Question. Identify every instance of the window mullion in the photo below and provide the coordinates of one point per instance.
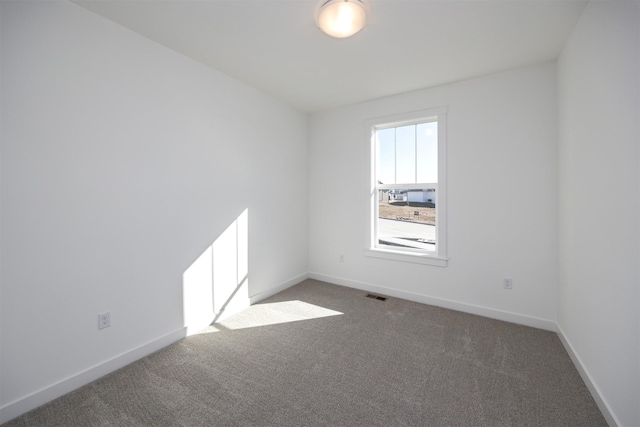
(395, 155)
(415, 152)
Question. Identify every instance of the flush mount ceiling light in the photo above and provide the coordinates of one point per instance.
(342, 18)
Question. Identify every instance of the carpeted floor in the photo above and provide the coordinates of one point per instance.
(324, 355)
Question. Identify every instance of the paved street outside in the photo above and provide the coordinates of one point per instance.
(395, 232)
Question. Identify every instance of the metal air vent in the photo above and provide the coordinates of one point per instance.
(377, 297)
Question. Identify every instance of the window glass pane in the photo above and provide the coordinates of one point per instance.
(427, 152)
(386, 155)
(406, 155)
(406, 219)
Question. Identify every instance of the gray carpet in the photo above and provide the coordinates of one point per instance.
(323, 355)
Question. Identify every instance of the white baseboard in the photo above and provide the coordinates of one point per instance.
(47, 394)
(277, 289)
(438, 302)
(586, 377)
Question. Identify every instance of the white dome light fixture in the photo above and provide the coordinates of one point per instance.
(342, 18)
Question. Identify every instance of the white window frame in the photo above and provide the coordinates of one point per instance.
(373, 248)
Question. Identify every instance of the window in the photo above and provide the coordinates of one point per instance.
(407, 207)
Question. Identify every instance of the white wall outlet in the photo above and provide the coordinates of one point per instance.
(341, 258)
(104, 320)
(507, 283)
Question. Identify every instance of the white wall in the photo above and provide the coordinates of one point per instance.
(122, 162)
(599, 115)
(502, 158)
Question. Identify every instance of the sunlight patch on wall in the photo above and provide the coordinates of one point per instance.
(197, 282)
(231, 267)
(217, 284)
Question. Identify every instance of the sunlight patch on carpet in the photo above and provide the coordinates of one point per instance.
(272, 314)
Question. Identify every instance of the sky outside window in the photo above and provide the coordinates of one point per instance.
(408, 154)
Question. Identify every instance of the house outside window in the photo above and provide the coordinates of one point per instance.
(407, 206)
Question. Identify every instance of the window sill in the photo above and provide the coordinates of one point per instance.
(416, 258)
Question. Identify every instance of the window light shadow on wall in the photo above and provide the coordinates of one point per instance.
(217, 283)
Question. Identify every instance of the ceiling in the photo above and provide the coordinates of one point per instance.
(274, 45)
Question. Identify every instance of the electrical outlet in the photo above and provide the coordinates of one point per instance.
(104, 320)
(341, 258)
(507, 283)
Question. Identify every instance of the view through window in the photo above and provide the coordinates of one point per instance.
(407, 173)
